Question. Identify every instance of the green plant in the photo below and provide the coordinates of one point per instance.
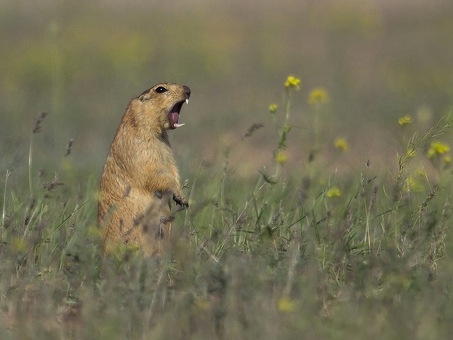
(283, 255)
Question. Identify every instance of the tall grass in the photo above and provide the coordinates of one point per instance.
(289, 254)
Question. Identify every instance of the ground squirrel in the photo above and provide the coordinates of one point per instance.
(140, 176)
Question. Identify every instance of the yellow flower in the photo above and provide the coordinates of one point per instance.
(273, 108)
(318, 96)
(341, 144)
(285, 305)
(421, 173)
(18, 244)
(281, 157)
(292, 82)
(407, 184)
(202, 304)
(437, 148)
(412, 184)
(405, 120)
(447, 160)
(333, 192)
(411, 153)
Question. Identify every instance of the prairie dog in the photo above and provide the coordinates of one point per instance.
(140, 177)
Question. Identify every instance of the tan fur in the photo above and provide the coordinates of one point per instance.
(140, 176)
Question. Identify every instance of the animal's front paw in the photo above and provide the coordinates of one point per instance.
(180, 200)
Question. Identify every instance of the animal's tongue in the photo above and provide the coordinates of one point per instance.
(174, 117)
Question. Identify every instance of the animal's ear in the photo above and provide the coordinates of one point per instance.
(144, 96)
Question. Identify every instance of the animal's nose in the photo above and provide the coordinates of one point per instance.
(187, 91)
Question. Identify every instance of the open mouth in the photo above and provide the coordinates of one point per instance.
(173, 115)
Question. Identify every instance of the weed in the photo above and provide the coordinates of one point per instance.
(311, 255)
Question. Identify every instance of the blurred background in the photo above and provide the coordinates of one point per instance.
(83, 61)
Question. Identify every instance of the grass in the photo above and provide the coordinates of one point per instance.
(289, 254)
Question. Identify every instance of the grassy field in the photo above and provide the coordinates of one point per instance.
(283, 255)
(315, 157)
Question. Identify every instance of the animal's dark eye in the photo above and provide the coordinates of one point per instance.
(161, 89)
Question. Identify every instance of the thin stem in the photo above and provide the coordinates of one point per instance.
(8, 173)
(30, 166)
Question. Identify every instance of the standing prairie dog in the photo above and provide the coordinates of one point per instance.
(140, 177)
